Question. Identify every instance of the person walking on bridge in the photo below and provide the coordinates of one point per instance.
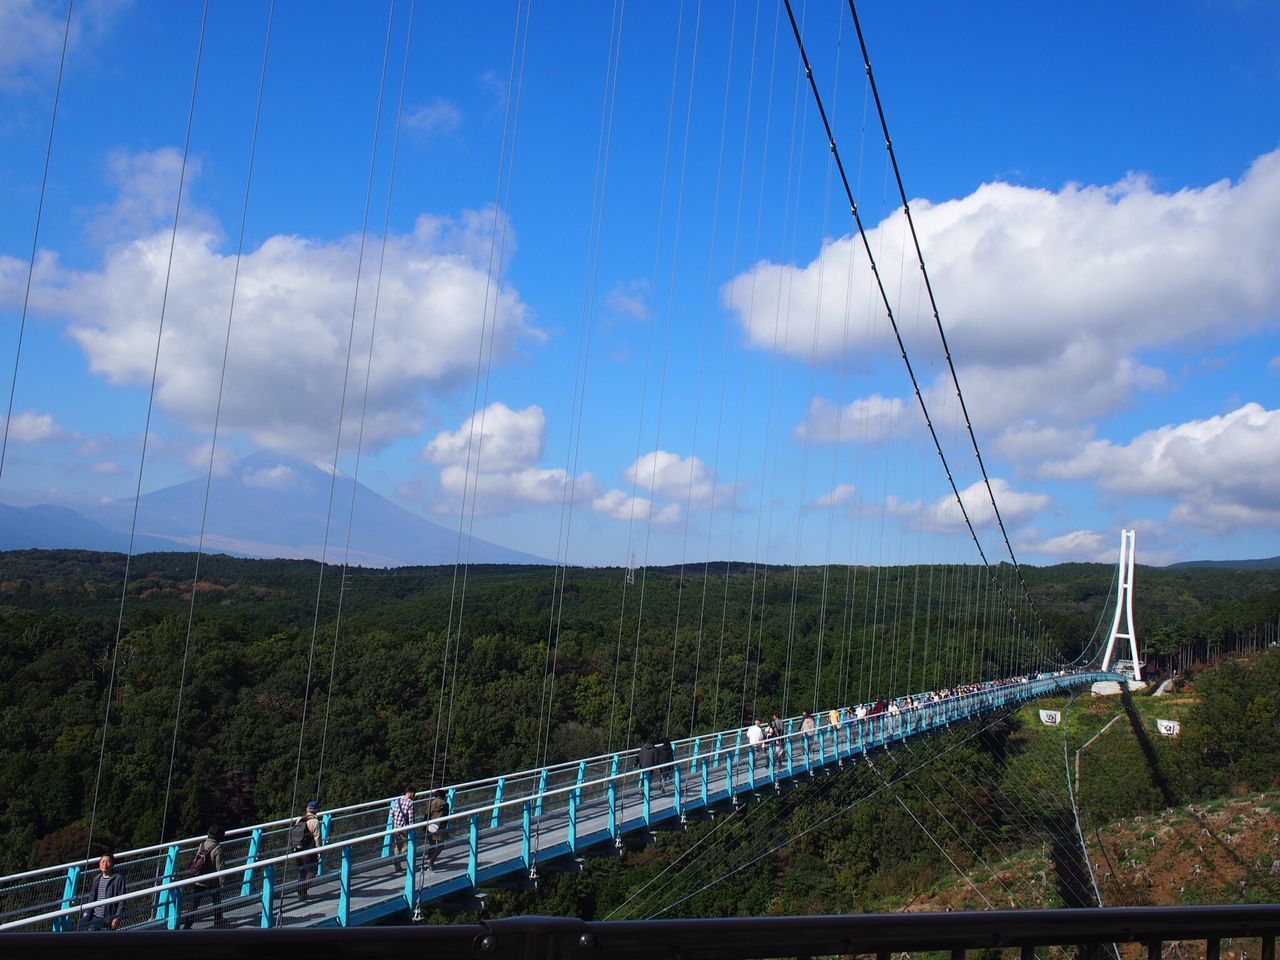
(207, 859)
(107, 884)
(402, 815)
(436, 811)
(305, 835)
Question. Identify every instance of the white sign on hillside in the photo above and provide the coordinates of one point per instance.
(1170, 728)
(1050, 718)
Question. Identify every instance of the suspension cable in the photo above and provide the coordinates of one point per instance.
(342, 403)
(217, 413)
(146, 430)
(35, 235)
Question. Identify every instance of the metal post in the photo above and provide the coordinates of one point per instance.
(542, 789)
(497, 799)
(255, 848)
(167, 902)
(344, 888)
(411, 869)
(67, 922)
(268, 891)
(573, 820)
(325, 822)
(526, 838)
(386, 841)
(473, 851)
(644, 792)
(613, 809)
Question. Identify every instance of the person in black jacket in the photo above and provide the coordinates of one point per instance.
(107, 884)
(663, 754)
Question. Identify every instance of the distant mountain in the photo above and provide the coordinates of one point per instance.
(268, 505)
(1263, 563)
(55, 528)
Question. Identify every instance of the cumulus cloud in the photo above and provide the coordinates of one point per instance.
(670, 475)
(31, 427)
(1046, 296)
(1221, 470)
(618, 505)
(495, 438)
(439, 117)
(866, 420)
(1016, 507)
(293, 315)
(493, 456)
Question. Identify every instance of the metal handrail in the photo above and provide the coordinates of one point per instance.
(1053, 681)
(743, 938)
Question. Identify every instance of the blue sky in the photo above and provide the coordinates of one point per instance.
(682, 352)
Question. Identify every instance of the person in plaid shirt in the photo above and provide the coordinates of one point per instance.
(402, 815)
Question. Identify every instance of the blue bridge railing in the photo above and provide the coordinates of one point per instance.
(499, 831)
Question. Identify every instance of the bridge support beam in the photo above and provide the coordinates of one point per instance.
(1124, 605)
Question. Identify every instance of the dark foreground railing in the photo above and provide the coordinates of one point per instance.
(557, 938)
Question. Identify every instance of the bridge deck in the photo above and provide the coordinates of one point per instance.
(501, 831)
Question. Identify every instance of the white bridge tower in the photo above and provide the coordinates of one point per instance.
(1124, 605)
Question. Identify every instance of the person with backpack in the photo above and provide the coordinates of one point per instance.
(207, 860)
(305, 835)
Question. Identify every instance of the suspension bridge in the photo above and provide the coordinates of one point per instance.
(507, 829)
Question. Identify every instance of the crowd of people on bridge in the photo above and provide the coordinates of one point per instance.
(305, 835)
(306, 832)
(772, 733)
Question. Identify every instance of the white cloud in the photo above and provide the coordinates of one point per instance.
(107, 468)
(1033, 442)
(1221, 470)
(224, 459)
(1085, 276)
(31, 427)
(502, 471)
(292, 321)
(33, 31)
(1016, 507)
(279, 477)
(439, 117)
(1274, 365)
(670, 475)
(866, 420)
(630, 299)
(1086, 546)
(496, 438)
(146, 185)
(842, 494)
(618, 505)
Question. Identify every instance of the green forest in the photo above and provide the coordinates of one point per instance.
(357, 683)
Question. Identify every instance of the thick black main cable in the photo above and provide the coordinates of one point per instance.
(933, 303)
(880, 285)
(35, 237)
